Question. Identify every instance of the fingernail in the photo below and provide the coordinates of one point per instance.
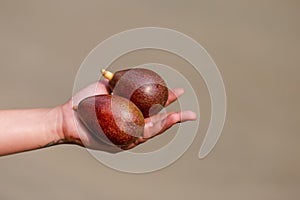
(189, 115)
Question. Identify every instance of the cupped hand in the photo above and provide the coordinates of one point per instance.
(76, 132)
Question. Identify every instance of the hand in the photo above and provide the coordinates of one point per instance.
(75, 132)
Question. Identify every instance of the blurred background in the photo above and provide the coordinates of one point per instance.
(256, 46)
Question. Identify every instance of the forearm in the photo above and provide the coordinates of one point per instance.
(23, 130)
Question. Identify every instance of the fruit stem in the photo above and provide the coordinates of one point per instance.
(75, 108)
(107, 74)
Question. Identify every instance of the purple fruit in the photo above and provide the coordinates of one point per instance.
(145, 88)
(111, 118)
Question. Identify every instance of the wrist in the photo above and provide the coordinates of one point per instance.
(53, 125)
(68, 130)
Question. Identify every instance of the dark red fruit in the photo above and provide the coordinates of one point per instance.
(111, 117)
(145, 88)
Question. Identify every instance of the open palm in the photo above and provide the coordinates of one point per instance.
(76, 132)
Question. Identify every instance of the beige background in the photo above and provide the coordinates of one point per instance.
(256, 45)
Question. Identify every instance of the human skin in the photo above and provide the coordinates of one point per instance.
(28, 129)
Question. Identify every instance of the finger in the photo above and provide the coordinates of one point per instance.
(142, 139)
(104, 81)
(148, 129)
(156, 118)
(85, 92)
(168, 121)
(174, 118)
(165, 122)
(174, 95)
(139, 140)
(99, 87)
(102, 87)
(179, 117)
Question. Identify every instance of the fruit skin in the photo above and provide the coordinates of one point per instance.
(112, 116)
(145, 88)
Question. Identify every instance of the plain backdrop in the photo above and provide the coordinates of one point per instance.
(256, 46)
